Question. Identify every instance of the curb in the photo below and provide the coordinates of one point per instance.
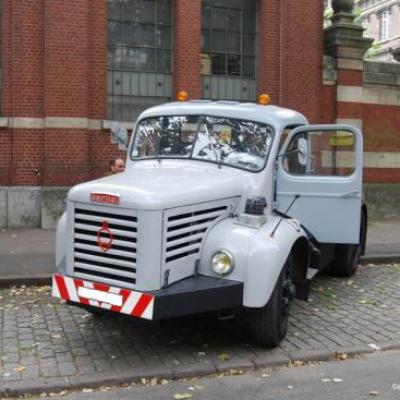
(276, 358)
(27, 280)
(380, 259)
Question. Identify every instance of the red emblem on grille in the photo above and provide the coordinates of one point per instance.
(104, 198)
(104, 242)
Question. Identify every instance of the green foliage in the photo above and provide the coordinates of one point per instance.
(373, 51)
(357, 12)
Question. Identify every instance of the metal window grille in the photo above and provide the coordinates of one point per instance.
(228, 42)
(229, 38)
(140, 47)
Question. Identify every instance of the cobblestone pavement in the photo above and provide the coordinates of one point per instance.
(43, 339)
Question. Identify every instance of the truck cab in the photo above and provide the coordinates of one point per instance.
(222, 206)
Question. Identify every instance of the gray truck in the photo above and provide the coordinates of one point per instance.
(223, 206)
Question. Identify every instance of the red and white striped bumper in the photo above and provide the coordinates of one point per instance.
(111, 298)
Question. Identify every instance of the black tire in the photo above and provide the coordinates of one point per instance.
(268, 325)
(347, 256)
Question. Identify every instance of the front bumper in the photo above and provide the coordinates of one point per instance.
(192, 295)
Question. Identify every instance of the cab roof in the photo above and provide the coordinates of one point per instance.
(276, 116)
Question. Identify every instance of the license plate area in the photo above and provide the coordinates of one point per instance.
(98, 295)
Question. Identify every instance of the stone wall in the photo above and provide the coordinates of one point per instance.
(365, 94)
(31, 206)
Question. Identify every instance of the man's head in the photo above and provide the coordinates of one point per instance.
(117, 165)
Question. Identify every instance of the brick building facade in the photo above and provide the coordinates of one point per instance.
(63, 66)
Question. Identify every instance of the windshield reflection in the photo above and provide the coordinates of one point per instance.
(225, 141)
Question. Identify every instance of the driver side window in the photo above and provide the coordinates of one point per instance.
(321, 153)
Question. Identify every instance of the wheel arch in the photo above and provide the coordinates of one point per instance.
(267, 256)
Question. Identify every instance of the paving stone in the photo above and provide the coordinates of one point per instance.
(54, 341)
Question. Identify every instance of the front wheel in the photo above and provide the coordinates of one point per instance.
(268, 325)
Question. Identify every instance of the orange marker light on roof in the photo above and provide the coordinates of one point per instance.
(264, 99)
(183, 95)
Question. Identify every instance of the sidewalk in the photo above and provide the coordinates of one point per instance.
(27, 255)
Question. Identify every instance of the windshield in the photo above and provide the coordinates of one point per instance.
(225, 141)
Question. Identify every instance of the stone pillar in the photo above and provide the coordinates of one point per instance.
(187, 47)
(344, 42)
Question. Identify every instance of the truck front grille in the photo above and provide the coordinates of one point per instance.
(185, 231)
(115, 265)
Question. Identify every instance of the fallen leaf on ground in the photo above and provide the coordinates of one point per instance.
(340, 356)
(196, 387)
(182, 396)
(224, 357)
(19, 368)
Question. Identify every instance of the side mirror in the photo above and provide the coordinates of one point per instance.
(119, 135)
(302, 151)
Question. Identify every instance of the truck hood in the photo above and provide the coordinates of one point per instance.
(154, 186)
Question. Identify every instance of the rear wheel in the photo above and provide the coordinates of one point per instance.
(268, 325)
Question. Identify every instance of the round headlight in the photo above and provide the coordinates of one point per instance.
(222, 263)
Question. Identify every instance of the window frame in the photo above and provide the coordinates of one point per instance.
(227, 55)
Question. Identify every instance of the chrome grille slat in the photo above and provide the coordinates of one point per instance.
(184, 240)
(189, 229)
(90, 267)
(94, 247)
(193, 219)
(115, 231)
(181, 250)
(186, 229)
(89, 238)
(101, 219)
(85, 256)
(116, 265)
(125, 282)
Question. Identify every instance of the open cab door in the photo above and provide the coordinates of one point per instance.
(322, 164)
